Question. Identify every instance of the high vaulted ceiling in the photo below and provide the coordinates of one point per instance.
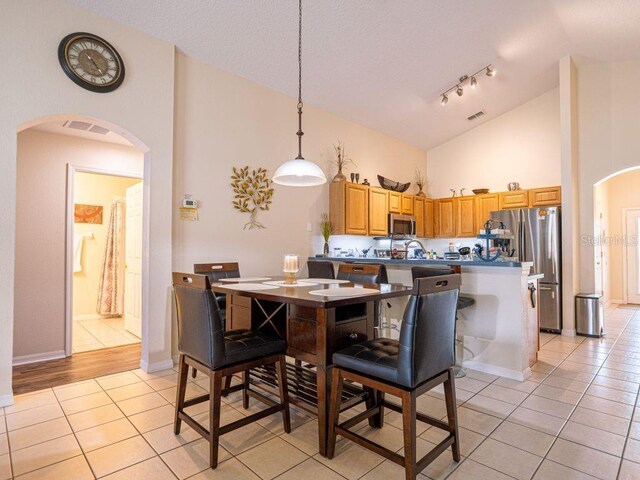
(384, 63)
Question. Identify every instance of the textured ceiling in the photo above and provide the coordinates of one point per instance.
(383, 63)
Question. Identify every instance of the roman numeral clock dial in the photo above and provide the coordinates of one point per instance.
(91, 62)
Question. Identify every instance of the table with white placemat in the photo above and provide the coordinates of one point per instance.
(316, 317)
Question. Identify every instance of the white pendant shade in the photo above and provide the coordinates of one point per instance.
(299, 173)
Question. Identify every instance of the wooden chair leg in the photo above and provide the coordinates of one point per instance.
(334, 410)
(381, 405)
(245, 389)
(284, 392)
(215, 391)
(452, 412)
(409, 432)
(371, 402)
(227, 384)
(183, 372)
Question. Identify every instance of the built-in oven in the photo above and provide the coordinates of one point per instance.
(402, 225)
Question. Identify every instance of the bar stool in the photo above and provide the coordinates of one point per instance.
(204, 344)
(216, 271)
(374, 273)
(320, 269)
(464, 301)
(422, 359)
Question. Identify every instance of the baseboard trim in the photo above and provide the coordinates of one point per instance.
(569, 332)
(617, 301)
(156, 366)
(495, 370)
(6, 400)
(94, 316)
(38, 357)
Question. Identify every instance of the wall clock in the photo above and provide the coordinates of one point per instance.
(91, 62)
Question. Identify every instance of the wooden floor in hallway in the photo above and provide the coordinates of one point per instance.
(78, 367)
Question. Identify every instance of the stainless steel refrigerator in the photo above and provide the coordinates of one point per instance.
(538, 239)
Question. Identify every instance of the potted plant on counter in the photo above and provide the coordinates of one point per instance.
(326, 229)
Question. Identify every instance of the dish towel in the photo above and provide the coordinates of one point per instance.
(78, 241)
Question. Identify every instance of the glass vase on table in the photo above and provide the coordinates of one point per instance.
(290, 269)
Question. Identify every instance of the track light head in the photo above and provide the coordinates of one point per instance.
(474, 82)
(491, 72)
(445, 99)
(459, 91)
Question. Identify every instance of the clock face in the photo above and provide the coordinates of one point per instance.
(91, 62)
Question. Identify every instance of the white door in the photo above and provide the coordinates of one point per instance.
(133, 261)
(633, 255)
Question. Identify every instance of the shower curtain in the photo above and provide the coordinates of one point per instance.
(108, 294)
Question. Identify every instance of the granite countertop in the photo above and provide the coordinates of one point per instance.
(393, 261)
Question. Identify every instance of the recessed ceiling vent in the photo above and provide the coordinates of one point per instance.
(87, 127)
(476, 115)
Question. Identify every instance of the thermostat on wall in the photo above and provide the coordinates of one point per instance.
(188, 203)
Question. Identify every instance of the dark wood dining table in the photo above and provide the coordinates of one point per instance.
(314, 326)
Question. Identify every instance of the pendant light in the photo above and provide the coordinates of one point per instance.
(299, 172)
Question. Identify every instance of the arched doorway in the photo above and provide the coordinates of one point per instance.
(616, 223)
(56, 267)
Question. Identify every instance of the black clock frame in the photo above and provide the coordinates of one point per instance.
(62, 58)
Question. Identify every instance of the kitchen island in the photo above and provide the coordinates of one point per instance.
(500, 331)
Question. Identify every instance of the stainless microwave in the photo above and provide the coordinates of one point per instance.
(402, 225)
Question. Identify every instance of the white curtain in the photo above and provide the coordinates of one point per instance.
(108, 294)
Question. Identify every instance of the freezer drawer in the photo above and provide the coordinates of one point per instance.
(549, 308)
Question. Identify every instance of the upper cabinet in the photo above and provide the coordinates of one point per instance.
(378, 208)
(395, 202)
(485, 204)
(418, 211)
(428, 218)
(444, 217)
(514, 199)
(543, 197)
(466, 217)
(349, 208)
(407, 204)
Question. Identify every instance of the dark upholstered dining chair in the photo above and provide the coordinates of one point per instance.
(420, 360)
(204, 344)
(320, 269)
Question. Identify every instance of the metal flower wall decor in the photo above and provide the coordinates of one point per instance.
(253, 193)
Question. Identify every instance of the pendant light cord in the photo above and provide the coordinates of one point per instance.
(300, 132)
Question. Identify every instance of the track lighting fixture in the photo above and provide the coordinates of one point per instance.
(472, 79)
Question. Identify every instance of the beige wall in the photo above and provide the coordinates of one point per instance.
(103, 190)
(609, 141)
(223, 121)
(35, 87)
(618, 193)
(40, 230)
(522, 145)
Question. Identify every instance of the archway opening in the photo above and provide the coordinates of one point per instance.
(52, 152)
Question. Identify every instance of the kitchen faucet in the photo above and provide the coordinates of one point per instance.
(406, 247)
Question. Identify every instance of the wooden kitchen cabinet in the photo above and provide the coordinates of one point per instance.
(514, 199)
(418, 212)
(465, 215)
(349, 208)
(485, 204)
(445, 215)
(378, 211)
(428, 218)
(544, 197)
(395, 202)
(407, 204)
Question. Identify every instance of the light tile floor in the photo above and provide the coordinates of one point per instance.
(97, 333)
(575, 418)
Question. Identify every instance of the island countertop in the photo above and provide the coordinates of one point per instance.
(395, 261)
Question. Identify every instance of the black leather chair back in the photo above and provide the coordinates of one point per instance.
(363, 273)
(320, 269)
(428, 329)
(422, 272)
(216, 271)
(200, 327)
